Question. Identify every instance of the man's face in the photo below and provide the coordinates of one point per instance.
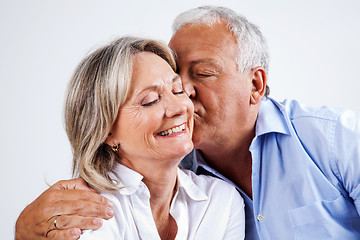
(220, 93)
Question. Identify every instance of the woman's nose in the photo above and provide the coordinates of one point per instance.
(175, 107)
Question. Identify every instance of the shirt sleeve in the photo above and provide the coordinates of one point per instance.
(235, 228)
(347, 154)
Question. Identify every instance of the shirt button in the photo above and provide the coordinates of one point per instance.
(260, 217)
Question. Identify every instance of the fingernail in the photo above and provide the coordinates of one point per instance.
(97, 221)
(109, 212)
(76, 232)
(109, 204)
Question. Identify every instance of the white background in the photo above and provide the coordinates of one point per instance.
(314, 58)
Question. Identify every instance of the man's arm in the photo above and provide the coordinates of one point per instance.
(72, 203)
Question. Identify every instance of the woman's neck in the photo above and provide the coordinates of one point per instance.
(158, 175)
(161, 180)
(162, 186)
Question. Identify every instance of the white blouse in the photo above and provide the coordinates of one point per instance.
(203, 208)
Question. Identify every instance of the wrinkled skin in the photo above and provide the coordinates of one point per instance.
(72, 199)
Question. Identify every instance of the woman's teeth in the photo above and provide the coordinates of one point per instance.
(173, 130)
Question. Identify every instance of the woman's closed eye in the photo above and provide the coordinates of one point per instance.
(178, 92)
(177, 88)
(150, 99)
(147, 104)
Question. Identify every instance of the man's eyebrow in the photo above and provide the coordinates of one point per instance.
(206, 61)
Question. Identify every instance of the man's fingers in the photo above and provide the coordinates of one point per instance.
(83, 208)
(53, 195)
(65, 222)
(69, 234)
(36, 221)
(77, 183)
(65, 226)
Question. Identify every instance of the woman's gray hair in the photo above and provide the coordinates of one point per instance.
(96, 91)
(253, 51)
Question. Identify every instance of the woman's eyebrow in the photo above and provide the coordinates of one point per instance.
(176, 78)
(154, 87)
(157, 87)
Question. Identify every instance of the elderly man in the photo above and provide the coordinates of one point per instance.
(295, 166)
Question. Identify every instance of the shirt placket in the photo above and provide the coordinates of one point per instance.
(142, 214)
(258, 210)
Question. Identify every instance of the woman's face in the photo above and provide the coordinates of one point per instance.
(156, 121)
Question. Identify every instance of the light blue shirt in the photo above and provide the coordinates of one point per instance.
(305, 173)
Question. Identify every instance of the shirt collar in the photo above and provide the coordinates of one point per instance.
(131, 181)
(187, 184)
(271, 118)
(128, 180)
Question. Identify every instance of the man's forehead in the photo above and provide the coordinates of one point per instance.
(203, 53)
(201, 37)
(203, 28)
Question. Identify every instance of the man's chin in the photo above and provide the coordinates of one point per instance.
(199, 133)
(196, 138)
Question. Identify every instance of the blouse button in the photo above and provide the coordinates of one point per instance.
(260, 217)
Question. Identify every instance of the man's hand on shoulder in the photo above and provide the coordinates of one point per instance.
(70, 205)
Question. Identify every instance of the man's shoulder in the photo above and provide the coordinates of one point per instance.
(296, 110)
(283, 116)
(316, 119)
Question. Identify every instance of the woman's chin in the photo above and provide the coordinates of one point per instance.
(180, 151)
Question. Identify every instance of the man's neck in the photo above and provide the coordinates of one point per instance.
(235, 164)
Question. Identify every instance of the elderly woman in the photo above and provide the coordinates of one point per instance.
(130, 123)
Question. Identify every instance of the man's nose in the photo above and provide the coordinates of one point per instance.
(189, 87)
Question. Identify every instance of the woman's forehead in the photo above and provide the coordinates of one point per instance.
(151, 71)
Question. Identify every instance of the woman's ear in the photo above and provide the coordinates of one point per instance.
(109, 140)
(112, 142)
(258, 85)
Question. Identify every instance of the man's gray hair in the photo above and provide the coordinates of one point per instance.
(253, 51)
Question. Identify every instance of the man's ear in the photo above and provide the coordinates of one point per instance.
(258, 75)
